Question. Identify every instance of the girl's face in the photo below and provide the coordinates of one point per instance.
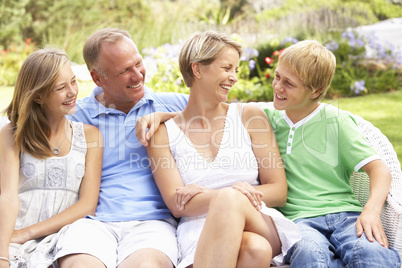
(61, 100)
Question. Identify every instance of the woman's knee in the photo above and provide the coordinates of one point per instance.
(227, 199)
(255, 251)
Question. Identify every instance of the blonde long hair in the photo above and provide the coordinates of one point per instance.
(35, 80)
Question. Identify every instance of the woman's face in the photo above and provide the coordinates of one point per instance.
(219, 77)
(61, 100)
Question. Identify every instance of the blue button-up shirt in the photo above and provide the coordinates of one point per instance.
(128, 191)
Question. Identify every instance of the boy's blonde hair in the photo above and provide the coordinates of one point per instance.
(204, 48)
(312, 62)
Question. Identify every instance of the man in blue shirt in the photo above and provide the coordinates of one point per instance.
(132, 225)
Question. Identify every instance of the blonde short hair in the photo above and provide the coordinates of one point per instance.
(92, 47)
(36, 79)
(204, 48)
(312, 62)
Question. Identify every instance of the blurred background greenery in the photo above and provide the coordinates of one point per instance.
(263, 26)
(364, 64)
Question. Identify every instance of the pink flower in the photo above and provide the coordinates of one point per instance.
(269, 60)
(276, 53)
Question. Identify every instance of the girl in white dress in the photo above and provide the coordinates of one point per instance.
(218, 167)
(50, 167)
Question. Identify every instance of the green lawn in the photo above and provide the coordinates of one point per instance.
(382, 110)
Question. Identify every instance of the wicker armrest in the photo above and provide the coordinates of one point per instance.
(391, 215)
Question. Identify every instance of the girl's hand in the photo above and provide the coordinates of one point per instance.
(184, 194)
(253, 195)
(4, 264)
(20, 236)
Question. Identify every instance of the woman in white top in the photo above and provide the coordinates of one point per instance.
(50, 167)
(219, 165)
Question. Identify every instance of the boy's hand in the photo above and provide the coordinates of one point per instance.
(370, 223)
(252, 194)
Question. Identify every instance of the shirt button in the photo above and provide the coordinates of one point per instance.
(289, 144)
(293, 128)
(290, 136)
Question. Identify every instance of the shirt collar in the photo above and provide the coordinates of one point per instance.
(101, 109)
(305, 119)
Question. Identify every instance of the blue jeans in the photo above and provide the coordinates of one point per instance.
(331, 241)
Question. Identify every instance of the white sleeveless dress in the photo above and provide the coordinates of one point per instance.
(46, 188)
(234, 162)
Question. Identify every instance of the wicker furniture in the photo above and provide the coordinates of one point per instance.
(391, 215)
(392, 211)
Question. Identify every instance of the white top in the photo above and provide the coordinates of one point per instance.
(46, 188)
(234, 162)
(49, 186)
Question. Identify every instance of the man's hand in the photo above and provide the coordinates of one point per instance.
(150, 122)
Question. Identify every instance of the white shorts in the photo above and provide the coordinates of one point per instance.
(112, 242)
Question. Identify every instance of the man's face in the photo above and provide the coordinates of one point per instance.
(122, 65)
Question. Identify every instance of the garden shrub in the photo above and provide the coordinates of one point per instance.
(364, 65)
(11, 61)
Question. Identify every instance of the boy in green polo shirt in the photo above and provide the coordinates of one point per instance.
(321, 146)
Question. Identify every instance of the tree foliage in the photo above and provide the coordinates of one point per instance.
(13, 18)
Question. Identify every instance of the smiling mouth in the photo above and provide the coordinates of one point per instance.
(69, 102)
(226, 87)
(135, 86)
(280, 98)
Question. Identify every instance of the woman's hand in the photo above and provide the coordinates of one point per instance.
(253, 195)
(184, 194)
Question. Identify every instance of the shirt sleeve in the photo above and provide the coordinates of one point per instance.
(170, 102)
(354, 148)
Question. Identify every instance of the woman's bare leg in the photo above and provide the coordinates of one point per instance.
(255, 251)
(229, 215)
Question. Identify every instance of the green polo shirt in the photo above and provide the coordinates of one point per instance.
(320, 152)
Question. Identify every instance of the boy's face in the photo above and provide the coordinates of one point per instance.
(290, 94)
